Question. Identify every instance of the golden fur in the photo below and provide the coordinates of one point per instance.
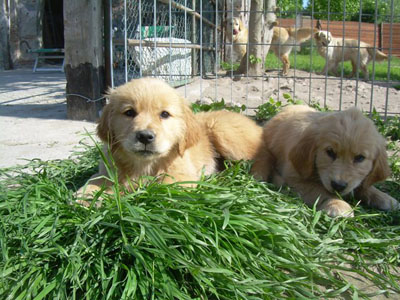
(151, 130)
(237, 34)
(283, 40)
(322, 154)
(330, 48)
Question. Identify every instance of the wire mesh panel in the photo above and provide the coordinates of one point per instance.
(190, 44)
(167, 39)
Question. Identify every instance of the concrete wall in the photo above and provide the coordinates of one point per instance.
(24, 19)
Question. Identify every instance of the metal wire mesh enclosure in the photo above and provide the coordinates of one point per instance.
(193, 44)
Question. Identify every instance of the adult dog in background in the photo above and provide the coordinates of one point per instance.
(236, 34)
(283, 41)
(150, 130)
(336, 50)
(322, 155)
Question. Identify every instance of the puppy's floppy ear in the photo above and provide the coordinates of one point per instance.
(103, 127)
(316, 35)
(192, 130)
(302, 155)
(380, 169)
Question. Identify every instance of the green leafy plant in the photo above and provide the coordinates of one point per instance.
(267, 110)
(226, 66)
(254, 60)
(198, 107)
(389, 128)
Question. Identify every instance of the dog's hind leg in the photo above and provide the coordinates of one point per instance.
(354, 69)
(286, 64)
(364, 69)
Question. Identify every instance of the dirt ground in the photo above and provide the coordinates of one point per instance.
(331, 91)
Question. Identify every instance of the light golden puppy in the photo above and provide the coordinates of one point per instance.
(322, 155)
(237, 34)
(150, 130)
(283, 40)
(336, 50)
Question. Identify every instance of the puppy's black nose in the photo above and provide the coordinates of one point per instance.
(338, 186)
(145, 136)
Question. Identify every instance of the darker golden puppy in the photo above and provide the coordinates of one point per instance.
(150, 130)
(323, 155)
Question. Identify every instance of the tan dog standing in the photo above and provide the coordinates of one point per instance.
(336, 50)
(284, 39)
(323, 155)
(150, 130)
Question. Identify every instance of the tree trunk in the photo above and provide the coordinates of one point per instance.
(84, 61)
(262, 20)
(5, 57)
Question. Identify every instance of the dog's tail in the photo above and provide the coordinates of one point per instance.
(301, 34)
(379, 55)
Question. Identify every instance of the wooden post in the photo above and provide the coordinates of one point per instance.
(253, 62)
(84, 61)
(194, 41)
(108, 43)
(5, 57)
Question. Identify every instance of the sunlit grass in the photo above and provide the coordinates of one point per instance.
(231, 237)
(315, 63)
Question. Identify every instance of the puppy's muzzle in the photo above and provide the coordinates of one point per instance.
(338, 186)
(146, 136)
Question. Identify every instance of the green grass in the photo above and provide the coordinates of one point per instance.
(302, 61)
(232, 237)
(315, 63)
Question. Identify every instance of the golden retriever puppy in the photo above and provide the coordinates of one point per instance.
(336, 50)
(283, 40)
(324, 155)
(237, 34)
(150, 130)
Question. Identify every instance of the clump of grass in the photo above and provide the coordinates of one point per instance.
(231, 237)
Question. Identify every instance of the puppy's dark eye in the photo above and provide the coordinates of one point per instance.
(331, 153)
(130, 113)
(359, 158)
(165, 115)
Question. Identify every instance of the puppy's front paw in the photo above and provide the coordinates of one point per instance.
(384, 202)
(85, 193)
(337, 208)
(378, 199)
